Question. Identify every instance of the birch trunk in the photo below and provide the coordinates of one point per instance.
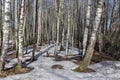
(12, 24)
(39, 25)
(68, 29)
(16, 26)
(90, 49)
(100, 37)
(58, 12)
(20, 51)
(2, 7)
(58, 22)
(75, 21)
(0, 25)
(53, 23)
(24, 24)
(85, 36)
(6, 26)
(119, 8)
(63, 36)
(34, 30)
(46, 28)
(62, 24)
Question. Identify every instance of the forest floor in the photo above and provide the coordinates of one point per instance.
(48, 68)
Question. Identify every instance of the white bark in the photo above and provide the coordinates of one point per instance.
(34, 30)
(3, 11)
(53, 21)
(20, 51)
(62, 22)
(6, 26)
(90, 49)
(75, 21)
(39, 25)
(68, 29)
(85, 36)
(16, 25)
(0, 25)
(58, 22)
(12, 27)
(63, 33)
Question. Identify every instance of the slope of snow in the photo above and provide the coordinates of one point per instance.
(106, 70)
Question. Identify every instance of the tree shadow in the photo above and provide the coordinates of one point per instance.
(38, 55)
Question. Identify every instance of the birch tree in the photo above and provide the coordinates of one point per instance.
(34, 29)
(39, 24)
(6, 26)
(16, 26)
(68, 29)
(119, 8)
(91, 45)
(53, 21)
(0, 25)
(62, 24)
(58, 14)
(20, 50)
(85, 36)
(75, 21)
(47, 27)
(2, 20)
(12, 29)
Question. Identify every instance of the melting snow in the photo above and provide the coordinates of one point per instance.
(106, 70)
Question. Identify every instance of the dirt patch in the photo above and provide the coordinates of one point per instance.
(63, 58)
(62, 48)
(58, 58)
(88, 70)
(57, 66)
(12, 56)
(13, 71)
(98, 57)
(77, 62)
(47, 55)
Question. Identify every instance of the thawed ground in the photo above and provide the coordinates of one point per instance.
(106, 70)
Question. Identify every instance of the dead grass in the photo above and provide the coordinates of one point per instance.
(77, 62)
(98, 57)
(14, 71)
(12, 56)
(57, 66)
(87, 70)
(63, 58)
(62, 48)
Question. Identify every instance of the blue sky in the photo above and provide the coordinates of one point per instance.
(110, 12)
